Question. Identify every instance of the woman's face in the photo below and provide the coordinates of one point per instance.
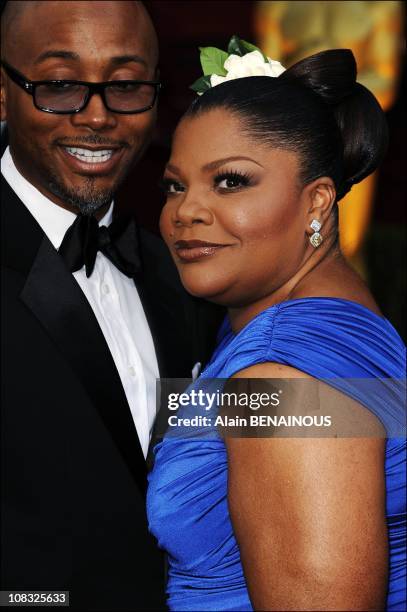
(234, 219)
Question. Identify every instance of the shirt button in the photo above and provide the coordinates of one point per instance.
(106, 289)
(132, 371)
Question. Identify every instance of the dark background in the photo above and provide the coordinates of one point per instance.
(182, 27)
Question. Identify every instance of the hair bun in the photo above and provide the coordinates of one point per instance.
(332, 75)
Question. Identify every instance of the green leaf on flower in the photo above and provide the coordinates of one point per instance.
(235, 47)
(241, 47)
(201, 84)
(212, 60)
(248, 47)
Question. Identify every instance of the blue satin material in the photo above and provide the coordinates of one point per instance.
(328, 338)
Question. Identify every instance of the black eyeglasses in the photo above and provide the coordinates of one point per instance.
(66, 97)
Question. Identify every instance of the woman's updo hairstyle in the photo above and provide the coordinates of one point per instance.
(316, 109)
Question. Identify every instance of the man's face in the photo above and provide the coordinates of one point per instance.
(86, 41)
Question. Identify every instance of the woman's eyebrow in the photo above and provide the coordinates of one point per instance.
(172, 168)
(213, 165)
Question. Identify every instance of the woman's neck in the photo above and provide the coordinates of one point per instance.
(318, 276)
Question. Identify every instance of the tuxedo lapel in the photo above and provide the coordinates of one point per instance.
(54, 297)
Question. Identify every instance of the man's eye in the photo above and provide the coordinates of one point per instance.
(231, 181)
(58, 89)
(125, 87)
(170, 186)
(61, 86)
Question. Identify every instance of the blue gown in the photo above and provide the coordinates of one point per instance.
(327, 338)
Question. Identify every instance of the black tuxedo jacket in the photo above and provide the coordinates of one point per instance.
(73, 474)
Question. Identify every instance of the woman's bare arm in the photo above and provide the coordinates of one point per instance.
(309, 517)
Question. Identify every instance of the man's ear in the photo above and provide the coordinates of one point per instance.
(3, 96)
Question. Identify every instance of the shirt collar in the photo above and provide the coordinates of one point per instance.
(53, 219)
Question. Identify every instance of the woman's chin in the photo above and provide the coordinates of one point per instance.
(212, 292)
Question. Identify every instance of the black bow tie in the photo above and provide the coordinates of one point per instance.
(118, 242)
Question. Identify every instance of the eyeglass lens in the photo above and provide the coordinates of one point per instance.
(125, 97)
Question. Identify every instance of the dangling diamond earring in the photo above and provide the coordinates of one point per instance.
(316, 238)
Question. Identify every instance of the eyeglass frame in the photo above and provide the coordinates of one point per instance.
(93, 88)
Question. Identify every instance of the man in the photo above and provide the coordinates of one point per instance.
(83, 342)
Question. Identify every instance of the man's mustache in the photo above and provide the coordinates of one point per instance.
(91, 139)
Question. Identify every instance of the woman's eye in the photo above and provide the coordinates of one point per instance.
(231, 181)
(170, 186)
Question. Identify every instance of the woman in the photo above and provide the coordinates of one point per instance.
(257, 167)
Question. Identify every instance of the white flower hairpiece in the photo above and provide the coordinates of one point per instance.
(242, 59)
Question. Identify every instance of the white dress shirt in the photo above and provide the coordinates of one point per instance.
(113, 298)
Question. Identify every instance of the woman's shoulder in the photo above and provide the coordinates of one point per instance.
(312, 315)
(321, 336)
(334, 340)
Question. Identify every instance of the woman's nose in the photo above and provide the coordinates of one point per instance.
(192, 211)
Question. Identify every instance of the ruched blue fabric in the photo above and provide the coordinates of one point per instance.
(330, 339)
